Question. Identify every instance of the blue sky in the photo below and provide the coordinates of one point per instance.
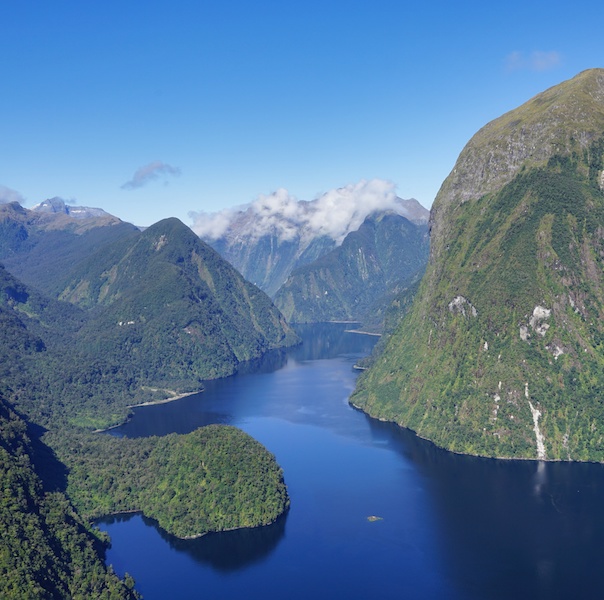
(156, 109)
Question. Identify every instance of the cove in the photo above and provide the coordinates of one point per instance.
(450, 526)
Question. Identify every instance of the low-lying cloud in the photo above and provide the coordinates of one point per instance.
(534, 61)
(334, 214)
(149, 173)
(9, 195)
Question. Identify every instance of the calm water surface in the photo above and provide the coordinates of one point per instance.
(451, 526)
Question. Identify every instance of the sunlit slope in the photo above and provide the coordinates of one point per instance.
(501, 354)
(171, 305)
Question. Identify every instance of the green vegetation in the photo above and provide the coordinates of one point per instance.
(150, 316)
(507, 327)
(153, 310)
(46, 550)
(214, 479)
(360, 278)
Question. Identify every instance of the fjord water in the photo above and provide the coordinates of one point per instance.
(449, 526)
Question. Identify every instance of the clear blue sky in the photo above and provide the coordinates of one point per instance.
(154, 109)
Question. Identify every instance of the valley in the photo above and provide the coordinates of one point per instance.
(486, 321)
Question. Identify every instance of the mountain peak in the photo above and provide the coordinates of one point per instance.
(558, 121)
(57, 205)
(501, 353)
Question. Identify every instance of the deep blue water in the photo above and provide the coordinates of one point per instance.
(451, 526)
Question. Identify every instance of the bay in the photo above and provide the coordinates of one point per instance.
(448, 526)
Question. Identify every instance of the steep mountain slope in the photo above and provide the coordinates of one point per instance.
(172, 309)
(268, 261)
(355, 281)
(268, 239)
(40, 246)
(46, 549)
(502, 352)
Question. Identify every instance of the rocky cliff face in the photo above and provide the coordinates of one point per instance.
(502, 353)
(267, 240)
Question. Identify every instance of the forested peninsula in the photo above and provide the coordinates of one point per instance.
(136, 317)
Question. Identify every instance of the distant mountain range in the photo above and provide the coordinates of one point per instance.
(266, 240)
(335, 258)
(40, 246)
(358, 279)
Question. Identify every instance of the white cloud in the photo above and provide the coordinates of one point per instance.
(149, 173)
(534, 61)
(334, 214)
(9, 195)
(212, 226)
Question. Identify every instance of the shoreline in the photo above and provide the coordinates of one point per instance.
(458, 453)
(95, 521)
(361, 332)
(149, 403)
(165, 400)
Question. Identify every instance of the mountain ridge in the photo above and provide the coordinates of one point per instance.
(501, 353)
(356, 280)
(268, 239)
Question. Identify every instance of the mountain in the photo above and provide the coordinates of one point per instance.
(268, 260)
(46, 549)
(170, 307)
(501, 353)
(358, 279)
(147, 317)
(268, 239)
(58, 206)
(41, 245)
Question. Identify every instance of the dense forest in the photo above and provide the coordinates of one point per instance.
(163, 314)
(46, 550)
(213, 479)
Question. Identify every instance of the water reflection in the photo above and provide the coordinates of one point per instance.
(268, 363)
(266, 387)
(465, 526)
(513, 528)
(231, 550)
(329, 340)
(224, 551)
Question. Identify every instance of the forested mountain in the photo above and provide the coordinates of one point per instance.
(502, 352)
(172, 309)
(46, 549)
(268, 240)
(40, 246)
(159, 311)
(357, 280)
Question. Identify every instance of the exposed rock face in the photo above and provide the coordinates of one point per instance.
(557, 121)
(267, 243)
(517, 235)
